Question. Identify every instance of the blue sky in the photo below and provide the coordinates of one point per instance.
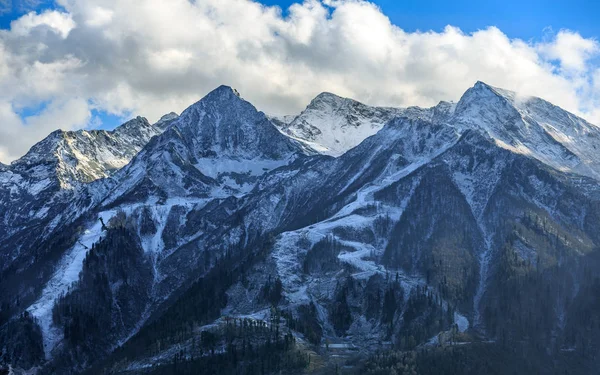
(530, 19)
(12, 9)
(523, 19)
(518, 19)
(62, 67)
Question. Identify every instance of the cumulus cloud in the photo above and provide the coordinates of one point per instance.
(151, 57)
(55, 21)
(571, 50)
(17, 134)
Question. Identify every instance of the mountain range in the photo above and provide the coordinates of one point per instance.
(461, 238)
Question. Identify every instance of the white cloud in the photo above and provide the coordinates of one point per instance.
(170, 59)
(151, 57)
(571, 50)
(55, 21)
(99, 16)
(16, 134)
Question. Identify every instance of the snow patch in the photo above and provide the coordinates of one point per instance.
(66, 274)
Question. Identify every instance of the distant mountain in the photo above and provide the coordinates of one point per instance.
(36, 189)
(72, 157)
(533, 127)
(445, 239)
(333, 125)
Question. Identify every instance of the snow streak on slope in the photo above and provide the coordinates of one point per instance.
(361, 256)
(66, 274)
(484, 269)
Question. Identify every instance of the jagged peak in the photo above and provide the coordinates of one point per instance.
(166, 121)
(329, 95)
(328, 99)
(482, 89)
(445, 103)
(42, 151)
(221, 97)
(136, 121)
(444, 106)
(135, 124)
(222, 92)
(223, 123)
(168, 117)
(482, 94)
(86, 155)
(482, 85)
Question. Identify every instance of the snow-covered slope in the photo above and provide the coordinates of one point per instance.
(333, 125)
(218, 147)
(531, 126)
(65, 275)
(84, 156)
(35, 189)
(337, 124)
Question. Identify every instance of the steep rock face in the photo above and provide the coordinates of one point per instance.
(223, 124)
(218, 147)
(84, 156)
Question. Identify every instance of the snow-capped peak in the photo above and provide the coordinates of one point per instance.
(222, 123)
(73, 157)
(531, 126)
(327, 99)
(166, 120)
(218, 146)
(333, 125)
(222, 94)
(169, 116)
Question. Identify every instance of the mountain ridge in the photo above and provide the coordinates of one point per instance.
(411, 236)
